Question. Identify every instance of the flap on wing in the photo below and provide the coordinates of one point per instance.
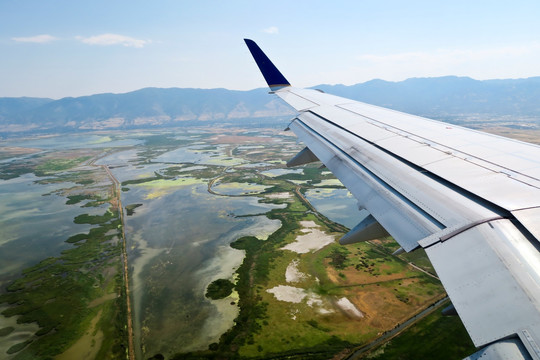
(492, 274)
(367, 229)
(305, 156)
(504, 349)
(530, 218)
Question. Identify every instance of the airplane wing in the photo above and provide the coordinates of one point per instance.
(470, 199)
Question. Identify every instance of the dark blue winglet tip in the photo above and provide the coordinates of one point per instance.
(272, 75)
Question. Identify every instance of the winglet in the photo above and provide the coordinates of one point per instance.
(273, 77)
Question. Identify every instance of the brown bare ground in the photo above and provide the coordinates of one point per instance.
(8, 151)
(360, 277)
(527, 135)
(381, 308)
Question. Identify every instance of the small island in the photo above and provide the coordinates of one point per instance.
(219, 289)
(130, 209)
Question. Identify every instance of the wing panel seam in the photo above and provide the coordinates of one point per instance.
(472, 196)
(385, 126)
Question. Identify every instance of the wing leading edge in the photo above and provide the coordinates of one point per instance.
(470, 199)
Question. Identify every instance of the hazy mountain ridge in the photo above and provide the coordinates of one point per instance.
(145, 107)
(448, 95)
(442, 97)
(10, 106)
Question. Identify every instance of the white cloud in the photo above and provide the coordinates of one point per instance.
(40, 39)
(271, 30)
(452, 56)
(509, 61)
(513, 61)
(113, 39)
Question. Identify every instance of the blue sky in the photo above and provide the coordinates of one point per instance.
(58, 48)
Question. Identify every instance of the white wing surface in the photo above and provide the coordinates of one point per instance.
(470, 199)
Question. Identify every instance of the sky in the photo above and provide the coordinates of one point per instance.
(59, 48)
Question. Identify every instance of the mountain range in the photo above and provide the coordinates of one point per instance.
(447, 97)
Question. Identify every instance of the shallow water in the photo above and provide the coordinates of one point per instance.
(72, 141)
(34, 217)
(336, 204)
(199, 154)
(278, 172)
(174, 258)
(34, 224)
(238, 188)
(21, 333)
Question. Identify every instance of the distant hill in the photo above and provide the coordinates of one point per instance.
(149, 107)
(442, 98)
(449, 95)
(12, 106)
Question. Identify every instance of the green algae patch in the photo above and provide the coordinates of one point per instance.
(236, 188)
(164, 183)
(101, 140)
(161, 187)
(224, 161)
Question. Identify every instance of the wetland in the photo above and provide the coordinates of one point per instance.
(189, 243)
